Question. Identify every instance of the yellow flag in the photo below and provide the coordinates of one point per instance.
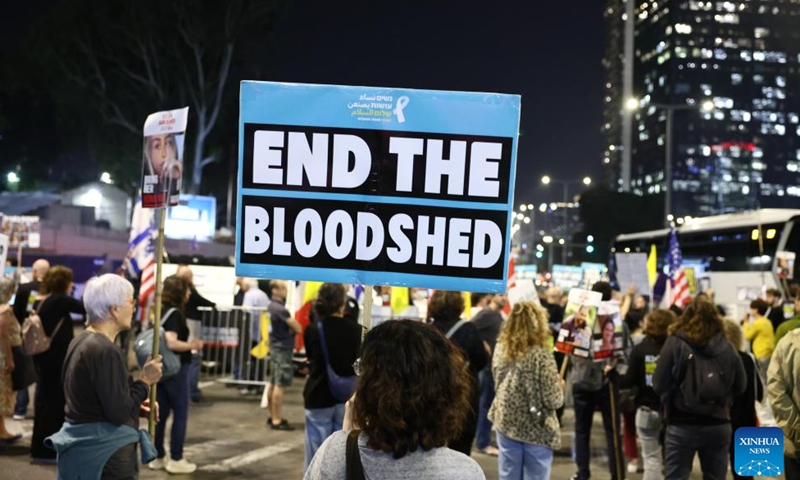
(261, 350)
(399, 300)
(467, 304)
(311, 290)
(652, 265)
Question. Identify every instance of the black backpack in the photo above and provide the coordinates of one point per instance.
(703, 385)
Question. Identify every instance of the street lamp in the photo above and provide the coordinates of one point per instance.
(546, 180)
(634, 104)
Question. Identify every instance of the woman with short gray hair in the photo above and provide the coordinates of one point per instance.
(9, 337)
(101, 395)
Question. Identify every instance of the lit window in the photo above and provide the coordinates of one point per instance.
(759, 56)
(683, 28)
(736, 78)
(754, 234)
(720, 54)
(771, 233)
(793, 118)
(780, 129)
(780, 81)
(731, 18)
(761, 32)
(681, 52)
(745, 55)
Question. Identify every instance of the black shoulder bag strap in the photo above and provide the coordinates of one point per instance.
(354, 468)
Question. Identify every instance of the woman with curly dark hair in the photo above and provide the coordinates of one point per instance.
(173, 392)
(412, 399)
(332, 345)
(444, 311)
(697, 376)
(54, 306)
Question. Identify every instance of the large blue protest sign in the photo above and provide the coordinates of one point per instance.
(376, 186)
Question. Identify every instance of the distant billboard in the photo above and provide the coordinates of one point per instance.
(194, 217)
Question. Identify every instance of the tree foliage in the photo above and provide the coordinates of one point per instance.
(606, 213)
(110, 64)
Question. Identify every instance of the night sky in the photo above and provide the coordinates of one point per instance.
(549, 52)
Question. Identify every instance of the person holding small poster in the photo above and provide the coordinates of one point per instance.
(575, 335)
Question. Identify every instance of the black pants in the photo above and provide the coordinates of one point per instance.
(49, 404)
(586, 402)
(709, 442)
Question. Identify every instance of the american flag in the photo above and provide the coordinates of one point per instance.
(679, 286)
(140, 259)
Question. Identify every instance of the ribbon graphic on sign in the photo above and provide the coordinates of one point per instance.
(402, 102)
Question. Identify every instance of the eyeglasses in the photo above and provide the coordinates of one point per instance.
(357, 367)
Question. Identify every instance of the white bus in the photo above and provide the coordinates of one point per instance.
(735, 254)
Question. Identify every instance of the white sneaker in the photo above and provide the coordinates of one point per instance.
(19, 417)
(180, 466)
(632, 467)
(158, 464)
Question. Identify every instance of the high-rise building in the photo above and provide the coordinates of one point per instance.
(744, 58)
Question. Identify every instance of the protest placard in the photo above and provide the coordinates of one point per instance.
(576, 333)
(785, 268)
(162, 166)
(22, 231)
(376, 186)
(632, 270)
(608, 338)
(3, 251)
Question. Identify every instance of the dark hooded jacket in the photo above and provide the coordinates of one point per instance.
(666, 379)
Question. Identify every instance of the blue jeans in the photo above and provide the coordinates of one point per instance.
(320, 424)
(523, 461)
(483, 436)
(194, 375)
(23, 399)
(648, 429)
(173, 397)
(710, 442)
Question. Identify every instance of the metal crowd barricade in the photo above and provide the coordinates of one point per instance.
(229, 334)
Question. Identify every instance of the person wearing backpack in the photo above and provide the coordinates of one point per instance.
(333, 344)
(53, 307)
(697, 375)
(173, 392)
(444, 311)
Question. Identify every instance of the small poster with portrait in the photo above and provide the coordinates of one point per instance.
(576, 333)
(23, 231)
(785, 267)
(162, 170)
(608, 341)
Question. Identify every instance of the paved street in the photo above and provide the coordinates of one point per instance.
(228, 438)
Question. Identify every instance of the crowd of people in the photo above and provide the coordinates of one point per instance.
(416, 397)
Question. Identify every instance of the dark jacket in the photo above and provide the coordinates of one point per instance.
(666, 379)
(641, 365)
(343, 339)
(21, 299)
(196, 301)
(743, 410)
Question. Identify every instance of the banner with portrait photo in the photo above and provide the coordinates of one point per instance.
(576, 333)
(24, 231)
(785, 265)
(162, 169)
(608, 339)
(376, 186)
